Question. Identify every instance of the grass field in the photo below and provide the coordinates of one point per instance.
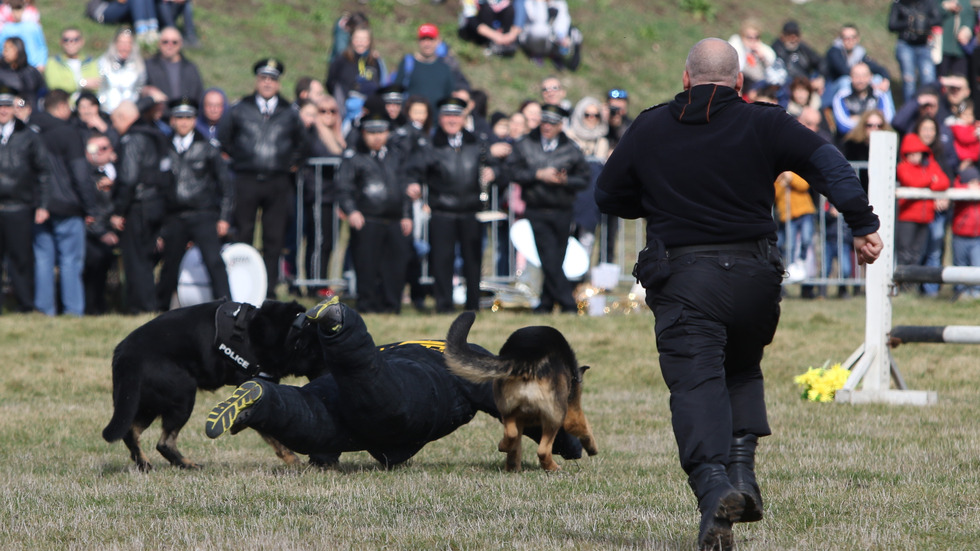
(834, 476)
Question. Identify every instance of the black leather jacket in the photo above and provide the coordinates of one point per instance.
(913, 20)
(453, 176)
(201, 180)
(261, 145)
(373, 186)
(72, 194)
(25, 173)
(143, 171)
(529, 155)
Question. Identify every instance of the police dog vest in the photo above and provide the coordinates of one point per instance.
(231, 321)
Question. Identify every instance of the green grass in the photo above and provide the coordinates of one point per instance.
(834, 476)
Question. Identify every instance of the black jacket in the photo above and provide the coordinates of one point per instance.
(102, 208)
(25, 170)
(453, 176)
(72, 193)
(259, 145)
(529, 155)
(804, 61)
(191, 85)
(201, 181)
(913, 20)
(701, 170)
(143, 171)
(373, 186)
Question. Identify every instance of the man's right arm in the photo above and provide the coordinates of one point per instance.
(617, 191)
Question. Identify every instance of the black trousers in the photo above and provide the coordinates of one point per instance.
(390, 401)
(272, 194)
(445, 231)
(380, 254)
(17, 250)
(138, 242)
(714, 315)
(552, 228)
(99, 258)
(178, 230)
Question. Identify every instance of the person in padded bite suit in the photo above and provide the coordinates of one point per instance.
(390, 401)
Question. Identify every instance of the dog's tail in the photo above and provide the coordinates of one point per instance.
(468, 363)
(127, 378)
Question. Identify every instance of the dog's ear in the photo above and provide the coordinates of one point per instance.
(583, 368)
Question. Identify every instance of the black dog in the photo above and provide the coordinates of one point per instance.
(158, 368)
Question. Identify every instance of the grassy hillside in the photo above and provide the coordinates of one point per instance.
(636, 44)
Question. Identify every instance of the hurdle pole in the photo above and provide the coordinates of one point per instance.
(873, 363)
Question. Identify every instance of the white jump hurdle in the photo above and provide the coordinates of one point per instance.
(872, 364)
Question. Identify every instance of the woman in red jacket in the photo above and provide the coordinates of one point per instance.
(916, 169)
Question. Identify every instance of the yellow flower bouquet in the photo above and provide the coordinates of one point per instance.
(819, 384)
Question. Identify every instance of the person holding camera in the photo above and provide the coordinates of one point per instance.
(618, 118)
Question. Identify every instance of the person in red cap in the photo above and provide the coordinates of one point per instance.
(424, 73)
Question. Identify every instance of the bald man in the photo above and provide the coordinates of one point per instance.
(700, 170)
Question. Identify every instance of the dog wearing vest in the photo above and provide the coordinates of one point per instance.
(537, 382)
(159, 367)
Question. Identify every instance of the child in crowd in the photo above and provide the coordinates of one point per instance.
(966, 230)
(966, 135)
(917, 169)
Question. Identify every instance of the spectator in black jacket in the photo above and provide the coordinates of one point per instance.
(551, 170)
(172, 73)
(25, 189)
(454, 167)
(800, 59)
(200, 204)
(372, 192)
(59, 242)
(267, 142)
(913, 20)
(138, 199)
(101, 239)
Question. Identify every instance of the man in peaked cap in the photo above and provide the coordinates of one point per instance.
(371, 190)
(200, 204)
(25, 184)
(453, 168)
(551, 169)
(267, 142)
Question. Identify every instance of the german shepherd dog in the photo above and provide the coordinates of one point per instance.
(159, 367)
(536, 383)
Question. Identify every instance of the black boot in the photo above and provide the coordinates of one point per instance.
(741, 473)
(720, 505)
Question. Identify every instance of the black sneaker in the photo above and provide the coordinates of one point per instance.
(225, 415)
(327, 313)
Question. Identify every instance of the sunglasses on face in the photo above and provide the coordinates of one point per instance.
(591, 115)
(70, 39)
(170, 42)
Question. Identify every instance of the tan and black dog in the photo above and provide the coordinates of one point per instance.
(159, 367)
(536, 383)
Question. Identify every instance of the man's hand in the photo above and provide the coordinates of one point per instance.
(117, 222)
(867, 247)
(41, 216)
(222, 228)
(356, 220)
(406, 224)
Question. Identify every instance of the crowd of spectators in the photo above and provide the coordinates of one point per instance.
(107, 123)
(845, 94)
